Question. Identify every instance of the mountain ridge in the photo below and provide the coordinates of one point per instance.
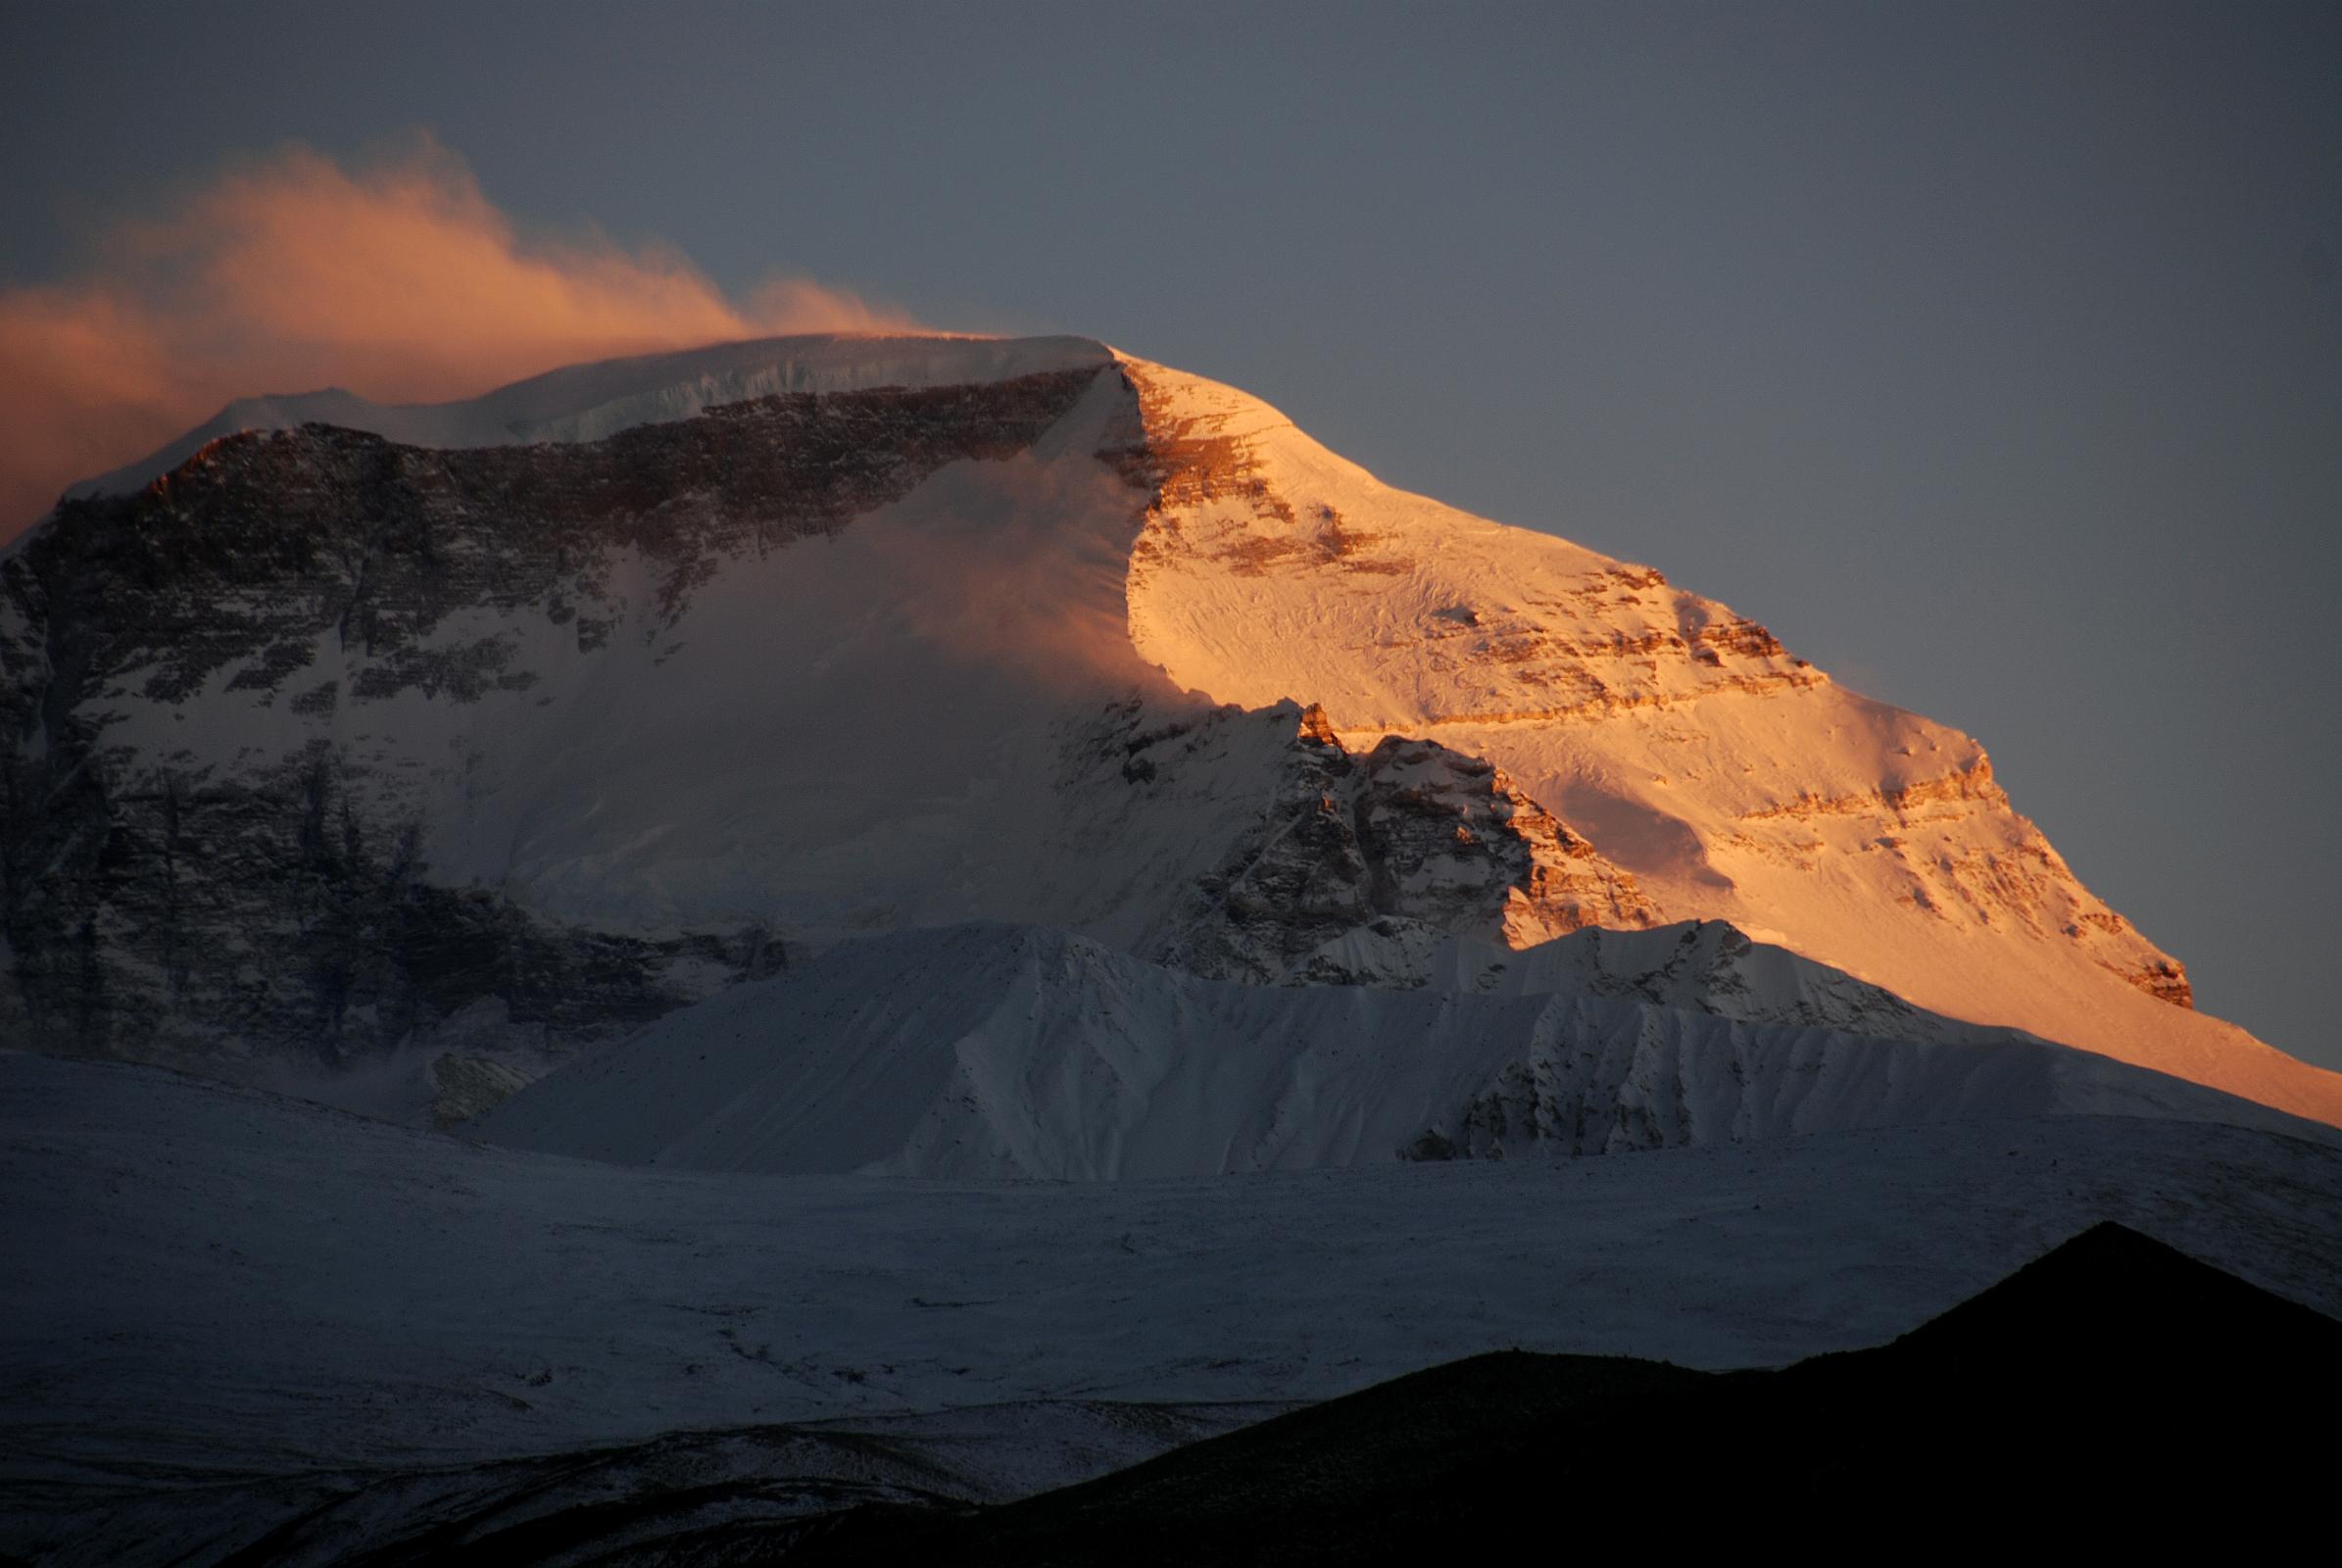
(600, 397)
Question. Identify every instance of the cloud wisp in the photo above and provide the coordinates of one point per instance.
(398, 279)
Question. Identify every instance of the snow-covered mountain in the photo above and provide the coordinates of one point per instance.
(514, 726)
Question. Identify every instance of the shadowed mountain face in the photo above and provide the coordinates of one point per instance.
(265, 881)
(2115, 1385)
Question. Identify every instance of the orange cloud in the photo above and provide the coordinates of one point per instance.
(399, 280)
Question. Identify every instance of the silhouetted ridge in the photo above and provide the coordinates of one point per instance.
(2114, 1384)
(2111, 1294)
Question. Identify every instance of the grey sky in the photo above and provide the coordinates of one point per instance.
(1992, 356)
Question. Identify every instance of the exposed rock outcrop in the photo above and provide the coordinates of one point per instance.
(465, 1087)
(1366, 864)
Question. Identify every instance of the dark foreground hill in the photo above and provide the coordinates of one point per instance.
(2115, 1385)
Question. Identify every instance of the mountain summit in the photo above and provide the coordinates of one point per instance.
(339, 730)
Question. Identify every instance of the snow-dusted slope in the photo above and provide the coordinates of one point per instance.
(1702, 966)
(1003, 1051)
(612, 688)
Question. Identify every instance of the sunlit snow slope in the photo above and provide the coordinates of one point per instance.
(1732, 780)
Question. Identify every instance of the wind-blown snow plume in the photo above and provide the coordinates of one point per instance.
(399, 279)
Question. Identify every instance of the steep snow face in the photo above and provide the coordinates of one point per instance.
(1729, 779)
(996, 1051)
